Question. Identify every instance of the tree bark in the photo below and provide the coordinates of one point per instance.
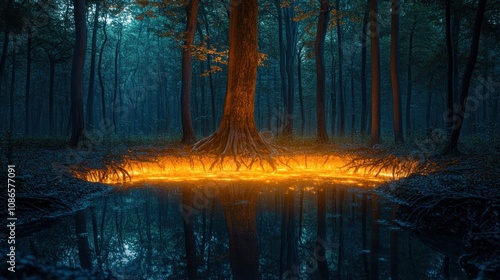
(341, 77)
(77, 122)
(101, 80)
(363, 70)
(396, 93)
(90, 95)
(28, 83)
(374, 33)
(187, 125)
(409, 88)
(319, 50)
(469, 68)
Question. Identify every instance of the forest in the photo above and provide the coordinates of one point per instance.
(246, 139)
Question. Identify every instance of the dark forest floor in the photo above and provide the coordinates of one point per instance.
(460, 197)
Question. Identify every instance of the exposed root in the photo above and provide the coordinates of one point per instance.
(244, 146)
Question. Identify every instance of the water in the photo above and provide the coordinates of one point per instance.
(244, 231)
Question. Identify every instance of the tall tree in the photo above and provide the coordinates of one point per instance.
(93, 52)
(291, 29)
(319, 50)
(396, 93)
(28, 81)
(77, 119)
(409, 78)
(458, 117)
(363, 69)
(341, 78)
(187, 125)
(374, 33)
(237, 133)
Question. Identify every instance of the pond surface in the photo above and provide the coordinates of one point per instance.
(240, 231)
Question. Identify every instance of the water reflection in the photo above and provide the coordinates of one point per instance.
(243, 231)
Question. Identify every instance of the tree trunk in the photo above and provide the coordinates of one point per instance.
(3, 59)
(187, 125)
(374, 33)
(289, 258)
(283, 61)
(90, 96)
(51, 95)
(209, 66)
(319, 50)
(237, 133)
(101, 80)
(459, 116)
(28, 84)
(12, 85)
(375, 238)
(363, 70)
(301, 98)
(409, 89)
(77, 122)
(333, 93)
(189, 236)
(291, 49)
(449, 48)
(114, 108)
(341, 78)
(396, 93)
(82, 238)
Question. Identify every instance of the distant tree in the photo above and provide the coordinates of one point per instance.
(76, 115)
(319, 50)
(363, 69)
(93, 52)
(374, 34)
(341, 66)
(396, 93)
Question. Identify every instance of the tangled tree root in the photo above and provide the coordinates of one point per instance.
(243, 147)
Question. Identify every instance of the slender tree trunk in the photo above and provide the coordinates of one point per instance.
(449, 48)
(51, 94)
(90, 95)
(291, 49)
(12, 85)
(28, 84)
(283, 61)
(341, 77)
(188, 135)
(301, 96)
(409, 89)
(77, 121)
(374, 33)
(82, 239)
(3, 59)
(210, 77)
(319, 50)
(289, 258)
(396, 93)
(101, 79)
(115, 84)
(375, 238)
(363, 70)
(467, 76)
(333, 93)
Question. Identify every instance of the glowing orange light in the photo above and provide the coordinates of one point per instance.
(303, 167)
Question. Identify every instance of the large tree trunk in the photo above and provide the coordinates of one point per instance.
(90, 95)
(319, 50)
(187, 125)
(28, 84)
(341, 77)
(363, 70)
(396, 93)
(77, 122)
(458, 117)
(374, 32)
(237, 134)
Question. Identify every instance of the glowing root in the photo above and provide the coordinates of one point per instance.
(246, 147)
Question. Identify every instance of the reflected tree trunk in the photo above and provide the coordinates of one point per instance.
(82, 240)
(341, 233)
(375, 238)
(189, 237)
(320, 251)
(239, 203)
(394, 245)
(364, 246)
(289, 257)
